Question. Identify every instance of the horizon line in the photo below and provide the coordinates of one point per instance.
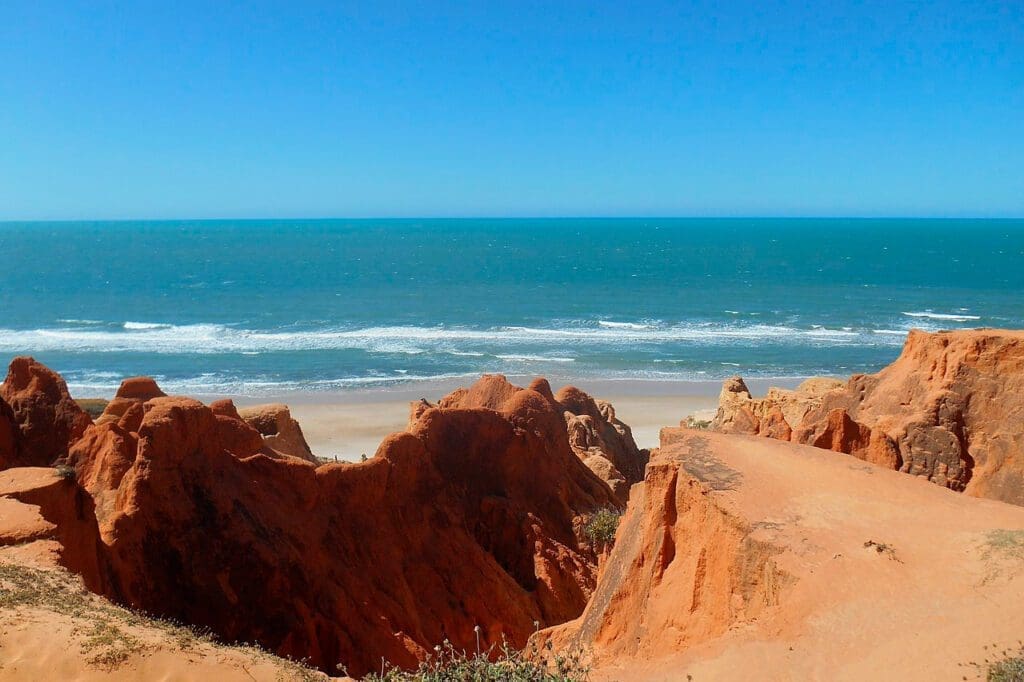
(1019, 217)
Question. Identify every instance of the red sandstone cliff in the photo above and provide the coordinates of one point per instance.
(38, 418)
(949, 409)
(603, 442)
(468, 518)
(751, 558)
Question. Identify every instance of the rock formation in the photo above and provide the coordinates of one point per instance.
(604, 443)
(47, 519)
(949, 409)
(467, 519)
(761, 559)
(35, 399)
(775, 415)
(282, 435)
(596, 436)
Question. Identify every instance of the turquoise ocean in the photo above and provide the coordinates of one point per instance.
(282, 306)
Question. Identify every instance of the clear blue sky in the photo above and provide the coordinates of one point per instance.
(231, 109)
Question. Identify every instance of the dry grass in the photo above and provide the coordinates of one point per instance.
(108, 635)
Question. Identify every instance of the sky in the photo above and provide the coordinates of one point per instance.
(375, 109)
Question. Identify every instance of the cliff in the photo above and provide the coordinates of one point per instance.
(750, 558)
(950, 409)
(469, 518)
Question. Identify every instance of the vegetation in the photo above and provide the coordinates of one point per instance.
(108, 635)
(92, 406)
(1009, 669)
(66, 473)
(601, 526)
(700, 424)
(509, 665)
(882, 548)
(1007, 665)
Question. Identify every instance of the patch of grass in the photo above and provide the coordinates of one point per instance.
(600, 527)
(66, 473)
(1006, 665)
(505, 664)
(105, 630)
(92, 406)
(699, 424)
(1008, 543)
(1007, 670)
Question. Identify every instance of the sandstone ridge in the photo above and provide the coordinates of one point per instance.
(471, 517)
(728, 564)
(949, 409)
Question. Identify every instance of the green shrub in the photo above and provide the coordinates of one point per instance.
(1008, 669)
(601, 526)
(701, 424)
(66, 473)
(448, 664)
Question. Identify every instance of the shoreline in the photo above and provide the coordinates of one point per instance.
(351, 423)
(348, 425)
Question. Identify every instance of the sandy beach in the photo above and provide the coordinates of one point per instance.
(348, 425)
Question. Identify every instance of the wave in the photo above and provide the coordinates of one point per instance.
(151, 337)
(943, 316)
(533, 358)
(608, 324)
(146, 325)
(209, 384)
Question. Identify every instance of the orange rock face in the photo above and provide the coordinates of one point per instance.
(603, 442)
(281, 434)
(47, 419)
(949, 409)
(596, 436)
(684, 568)
(467, 519)
(47, 518)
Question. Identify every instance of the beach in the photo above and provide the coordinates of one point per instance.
(350, 424)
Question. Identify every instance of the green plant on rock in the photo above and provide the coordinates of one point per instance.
(600, 526)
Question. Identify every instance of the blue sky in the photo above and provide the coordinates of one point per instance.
(231, 109)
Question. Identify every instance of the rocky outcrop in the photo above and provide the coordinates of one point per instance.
(282, 435)
(469, 518)
(950, 409)
(745, 558)
(132, 393)
(35, 399)
(47, 519)
(775, 415)
(684, 568)
(603, 442)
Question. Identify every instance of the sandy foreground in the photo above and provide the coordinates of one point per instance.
(348, 425)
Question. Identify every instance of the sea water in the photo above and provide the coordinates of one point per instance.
(274, 306)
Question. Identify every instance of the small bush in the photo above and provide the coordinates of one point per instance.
(66, 473)
(601, 526)
(1009, 667)
(700, 424)
(510, 665)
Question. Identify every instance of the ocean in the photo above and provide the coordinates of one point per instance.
(274, 307)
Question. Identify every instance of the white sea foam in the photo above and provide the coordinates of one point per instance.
(414, 340)
(608, 324)
(146, 325)
(943, 316)
(533, 358)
